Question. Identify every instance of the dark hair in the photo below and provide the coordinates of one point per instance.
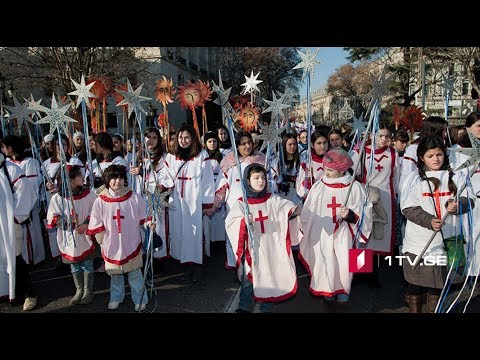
(63, 138)
(454, 130)
(433, 125)
(215, 154)
(253, 169)
(104, 140)
(158, 150)
(74, 171)
(241, 134)
(193, 150)
(16, 143)
(472, 118)
(315, 135)
(400, 135)
(428, 143)
(295, 162)
(114, 172)
(334, 131)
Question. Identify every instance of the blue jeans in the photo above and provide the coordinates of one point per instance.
(83, 266)
(135, 280)
(246, 301)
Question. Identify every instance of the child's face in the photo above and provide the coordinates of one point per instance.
(117, 144)
(400, 145)
(152, 140)
(245, 146)
(383, 138)
(303, 137)
(291, 146)
(184, 139)
(320, 146)
(77, 181)
(211, 144)
(257, 181)
(434, 159)
(336, 141)
(116, 184)
(332, 173)
(222, 135)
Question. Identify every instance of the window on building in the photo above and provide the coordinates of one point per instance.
(465, 88)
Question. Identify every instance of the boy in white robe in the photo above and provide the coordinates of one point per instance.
(265, 264)
(115, 219)
(75, 247)
(331, 226)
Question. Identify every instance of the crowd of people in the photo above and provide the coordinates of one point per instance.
(307, 208)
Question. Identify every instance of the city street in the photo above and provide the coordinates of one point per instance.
(218, 293)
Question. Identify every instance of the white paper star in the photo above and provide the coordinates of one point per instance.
(287, 97)
(20, 112)
(251, 83)
(132, 98)
(275, 106)
(35, 105)
(56, 117)
(270, 135)
(447, 85)
(308, 62)
(346, 112)
(380, 86)
(473, 153)
(358, 124)
(82, 91)
(223, 94)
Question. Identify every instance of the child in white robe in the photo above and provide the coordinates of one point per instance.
(116, 217)
(331, 226)
(264, 263)
(75, 247)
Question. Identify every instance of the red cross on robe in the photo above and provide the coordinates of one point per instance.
(261, 219)
(118, 217)
(334, 207)
(436, 199)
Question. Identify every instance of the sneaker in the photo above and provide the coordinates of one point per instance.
(113, 305)
(342, 298)
(29, 304)
(141, 307)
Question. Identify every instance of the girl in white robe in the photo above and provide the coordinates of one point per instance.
(264, 263)
(332, 226)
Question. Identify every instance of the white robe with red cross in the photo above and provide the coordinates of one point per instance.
(324, 248)
(120, 217)
(73, 246)
(303, 185)
(194, 189)
(33, 250)
(269, 263)
(383, 174)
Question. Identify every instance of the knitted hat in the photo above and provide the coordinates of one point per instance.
(337, 159)
(48, 138)
(78, 134)
(210, 135)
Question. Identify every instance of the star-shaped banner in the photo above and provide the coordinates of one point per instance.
(473, 153)
(358, 124)
(20, 112)
(222, 94)
(132, 98)
(275, 106)
(56, 117)
(35, 105)
(251, 83)
(448, 86)
(82, 91)
(308, 62)
(380, 86)
(270, 135)
(287, 97)
(346, 112)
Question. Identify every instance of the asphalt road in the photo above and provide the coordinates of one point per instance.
(218, 292)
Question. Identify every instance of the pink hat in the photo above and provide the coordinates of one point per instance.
(337, 159)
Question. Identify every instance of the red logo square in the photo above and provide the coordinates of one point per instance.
(360, 260)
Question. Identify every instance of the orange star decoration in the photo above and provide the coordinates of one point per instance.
(248, 117)
(164, 93)
(101, 88)
(190, 96)
(412, 119)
